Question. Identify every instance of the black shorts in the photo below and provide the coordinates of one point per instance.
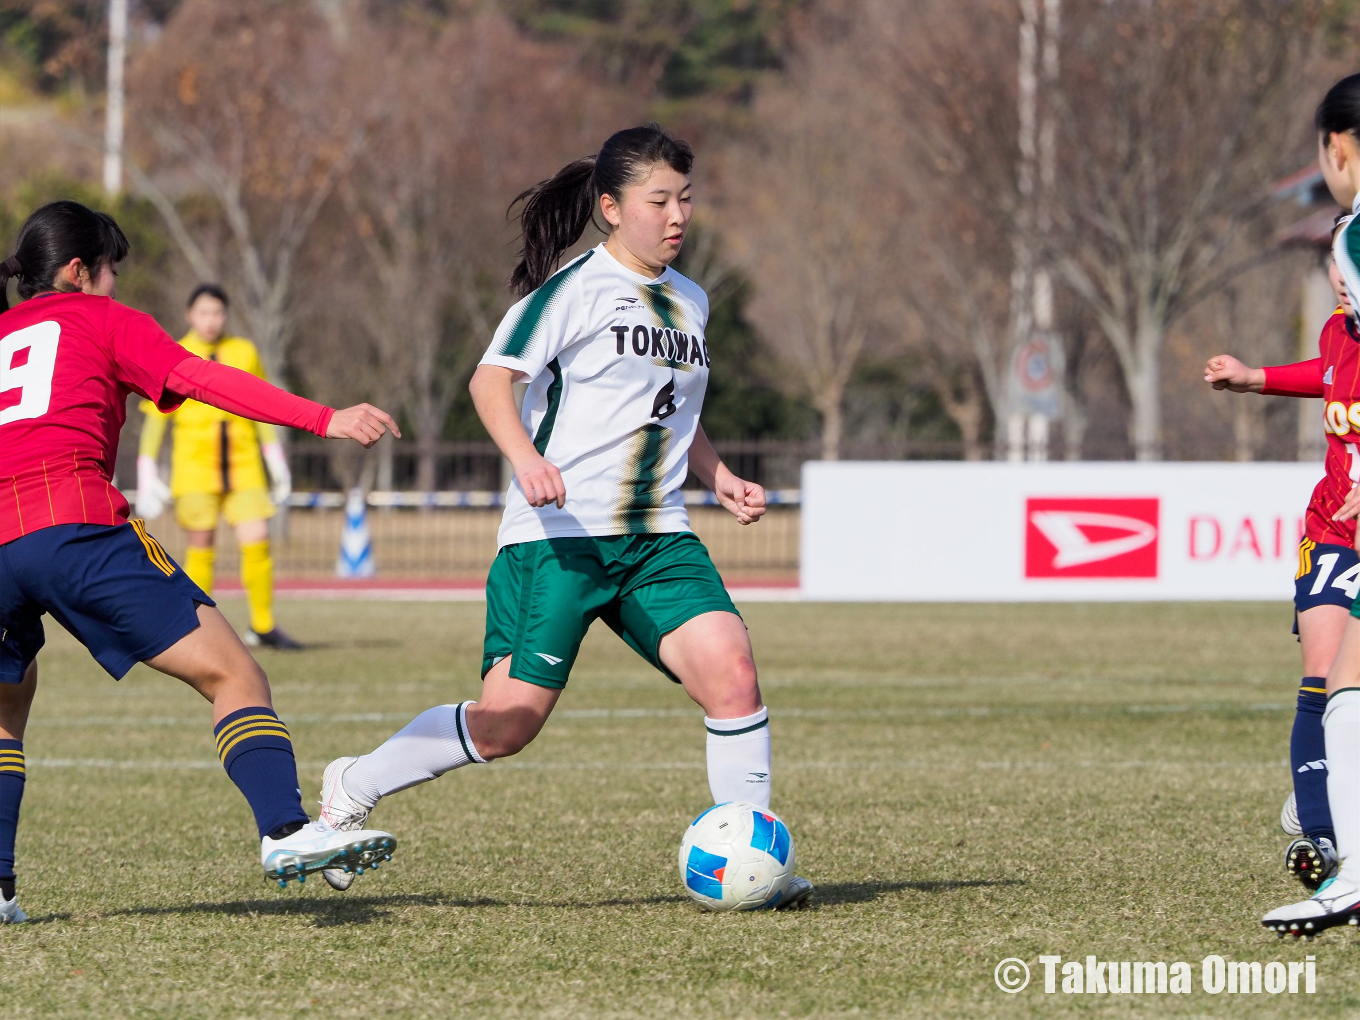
(113, 587)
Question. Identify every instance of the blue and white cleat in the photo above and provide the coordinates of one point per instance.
(1336, 902)
(317, 846)
(340, 811)
(800, 891)
(10, 912)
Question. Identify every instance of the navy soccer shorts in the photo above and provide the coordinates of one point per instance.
(113, 587)
(1328, 575)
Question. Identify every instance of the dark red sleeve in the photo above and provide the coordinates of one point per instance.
(1301, 380)
(144, 355)
(247, 395)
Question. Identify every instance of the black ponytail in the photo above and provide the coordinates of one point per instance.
(54, 235)
(556, 211)
(1339, 110)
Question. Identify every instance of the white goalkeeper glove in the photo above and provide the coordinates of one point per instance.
(280, 478)
(152, 493)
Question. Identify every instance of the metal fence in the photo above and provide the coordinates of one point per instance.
(458, 542)
(478, 466)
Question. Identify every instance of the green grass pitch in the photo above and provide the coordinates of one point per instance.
(963, 783)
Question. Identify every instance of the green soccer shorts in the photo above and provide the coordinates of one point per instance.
(542, 597)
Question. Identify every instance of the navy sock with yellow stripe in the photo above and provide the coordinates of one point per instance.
(257, 753)
(1308, 760)
(11, 795)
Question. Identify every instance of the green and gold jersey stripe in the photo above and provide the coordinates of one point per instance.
(526, 329)
(545, 427)
(640, 497)
(658, 298)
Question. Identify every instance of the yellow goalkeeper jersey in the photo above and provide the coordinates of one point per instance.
(213, 450)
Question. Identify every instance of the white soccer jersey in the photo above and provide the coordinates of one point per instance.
(618, 366)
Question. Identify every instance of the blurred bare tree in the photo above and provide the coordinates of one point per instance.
(1176, 117)
(811, 224)
(469, 117)
(256, 106)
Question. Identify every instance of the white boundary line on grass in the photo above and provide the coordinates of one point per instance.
(971, 711)
(359, 594)
(172, 765)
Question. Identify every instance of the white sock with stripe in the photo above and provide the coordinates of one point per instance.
(739, 758)
(1341, 729)
(434, 742)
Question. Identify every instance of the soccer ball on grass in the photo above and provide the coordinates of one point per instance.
(736, 856)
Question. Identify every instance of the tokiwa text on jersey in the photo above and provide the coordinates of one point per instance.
(675, 349)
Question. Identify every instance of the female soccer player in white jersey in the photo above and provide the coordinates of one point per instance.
(1337, 900)
(613, 349)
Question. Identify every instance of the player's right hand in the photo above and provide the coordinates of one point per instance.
(542, 482)
(1224, 372)
(363, 423)
(1350, 507)
(152, 493)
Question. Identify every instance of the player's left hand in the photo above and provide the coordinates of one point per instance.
(742, 499)
(363, 423)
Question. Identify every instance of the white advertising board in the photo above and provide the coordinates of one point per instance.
(950, 531)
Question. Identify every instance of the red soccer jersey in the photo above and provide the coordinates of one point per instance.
(1335, 377)
(67, 365)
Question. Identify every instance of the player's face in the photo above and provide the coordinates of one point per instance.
(653, 217)
(1339, 287)
(207, 317)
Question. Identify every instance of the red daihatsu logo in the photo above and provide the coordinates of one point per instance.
(1091, 537)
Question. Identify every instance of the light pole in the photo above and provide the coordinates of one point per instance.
(113, 116)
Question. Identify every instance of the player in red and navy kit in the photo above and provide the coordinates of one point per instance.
(1328, 577)
(70, 356)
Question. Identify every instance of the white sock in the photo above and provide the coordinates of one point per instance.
(1341, 730)
(739, 758)
(434, 742)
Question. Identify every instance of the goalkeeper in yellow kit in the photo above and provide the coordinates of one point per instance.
(217, 469)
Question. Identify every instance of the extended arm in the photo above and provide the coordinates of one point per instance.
(742, 499)
(1303, 379)
(250, 397)
(493, 394)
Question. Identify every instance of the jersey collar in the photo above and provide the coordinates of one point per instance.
(645, 281)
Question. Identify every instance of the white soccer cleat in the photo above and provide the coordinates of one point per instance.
(317, 846)
(799, 892)
(1289, 817)
(1336, 902)
(340, 811)
(10, 912)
